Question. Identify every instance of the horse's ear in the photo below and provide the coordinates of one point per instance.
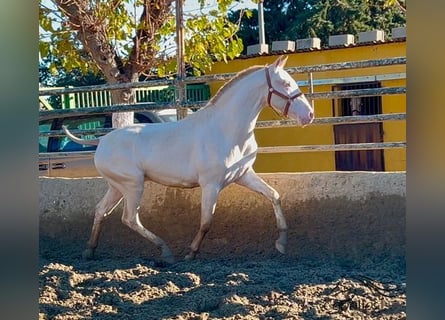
(280, 62)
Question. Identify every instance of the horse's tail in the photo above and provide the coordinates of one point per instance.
(90, 142)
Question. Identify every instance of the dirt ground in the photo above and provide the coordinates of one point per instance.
(345, 259)
(131, 286)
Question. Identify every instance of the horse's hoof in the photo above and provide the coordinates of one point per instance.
(280, 247)
(167, 255)
(168, 259)
(191, 256)
(162, 263)
(88, 254)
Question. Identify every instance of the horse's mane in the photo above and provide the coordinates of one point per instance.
(230, 84)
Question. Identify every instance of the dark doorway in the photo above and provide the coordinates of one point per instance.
(358, 160)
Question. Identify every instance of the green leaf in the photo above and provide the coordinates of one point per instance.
(44, 49)
(208, 36)
(53, 69)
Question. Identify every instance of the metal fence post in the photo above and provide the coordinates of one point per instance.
(180, 84)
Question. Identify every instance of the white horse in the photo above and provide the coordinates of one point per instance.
(211, 148)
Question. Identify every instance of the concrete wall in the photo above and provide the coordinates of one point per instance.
(350, 215)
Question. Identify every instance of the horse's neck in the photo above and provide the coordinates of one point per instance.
(240, 106)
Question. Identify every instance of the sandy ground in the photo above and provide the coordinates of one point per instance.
(130, 286)
(345, 260)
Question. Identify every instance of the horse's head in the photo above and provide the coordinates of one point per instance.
(285, 96)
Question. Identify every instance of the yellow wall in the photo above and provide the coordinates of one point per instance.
(395, 159)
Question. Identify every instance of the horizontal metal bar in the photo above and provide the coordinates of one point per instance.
(373, 78)
(262, 124)
(356, 93)
(308, 69)
(143, 106)
(55, 155)
(102, 87)
(334, 147)
(348, 65)
(225, 76)
(48, 114)
(333, 120)
(61, 133)
(277, 149)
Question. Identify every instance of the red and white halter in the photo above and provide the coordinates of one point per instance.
(286, 97)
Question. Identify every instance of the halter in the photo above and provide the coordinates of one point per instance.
(286, 97)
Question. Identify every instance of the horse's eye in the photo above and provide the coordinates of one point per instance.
(287, 84)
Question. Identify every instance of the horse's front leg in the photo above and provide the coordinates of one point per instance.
(252, 181)
(208, 203)
(130, 217)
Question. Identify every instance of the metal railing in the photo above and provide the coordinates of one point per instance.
(260, 124)
(102, 98)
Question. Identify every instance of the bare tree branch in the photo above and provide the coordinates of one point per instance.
(152, 18)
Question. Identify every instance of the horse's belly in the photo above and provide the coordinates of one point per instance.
(172, 180)
(170, 171)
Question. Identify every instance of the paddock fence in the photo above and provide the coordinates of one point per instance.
(311, 95)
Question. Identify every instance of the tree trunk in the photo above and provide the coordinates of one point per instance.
(92, 34)
(124, 96)
(116, 73)
(91, 30)
(122, 119)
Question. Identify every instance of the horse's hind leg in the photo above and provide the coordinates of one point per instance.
(130, 218)
(255, 183)
(208, 204)
(103, 208)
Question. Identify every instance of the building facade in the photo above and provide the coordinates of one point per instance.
(392, 159)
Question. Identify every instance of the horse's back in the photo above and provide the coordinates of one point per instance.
(158, 152)
(196, 150)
